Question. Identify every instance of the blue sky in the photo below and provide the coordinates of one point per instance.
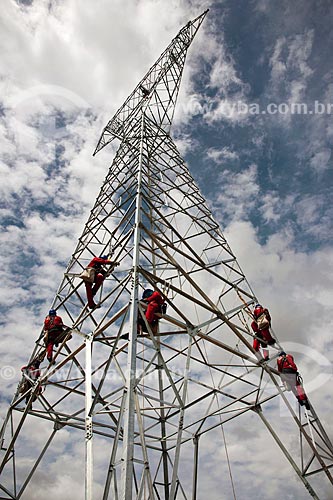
(66, 67)
(277, 54)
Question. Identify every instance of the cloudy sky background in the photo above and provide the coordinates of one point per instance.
(65, 68)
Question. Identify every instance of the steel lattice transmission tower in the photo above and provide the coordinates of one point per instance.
(146, 399)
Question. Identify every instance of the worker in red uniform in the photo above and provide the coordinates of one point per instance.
(291, 378)
(155, 304)
(97, 264)
(260, 325)
(54, 331)
(30, 373)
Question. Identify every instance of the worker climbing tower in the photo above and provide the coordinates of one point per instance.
(130, 406)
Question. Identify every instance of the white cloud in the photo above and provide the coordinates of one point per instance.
(290, 71)
(238, 193)
(59, 46)
(185, 143)
(289, 59)
(223, 74)
(271, 207)
(299, 51)
(278, 67)
(220, 155)
(320, 160)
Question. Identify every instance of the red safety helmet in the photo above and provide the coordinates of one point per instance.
(258, 310)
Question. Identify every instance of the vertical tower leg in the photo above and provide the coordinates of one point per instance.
(88, 423)
(195, 467)
(128, 441)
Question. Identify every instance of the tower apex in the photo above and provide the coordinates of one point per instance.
(156, 92)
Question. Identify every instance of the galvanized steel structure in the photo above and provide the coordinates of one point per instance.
(147, 399)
